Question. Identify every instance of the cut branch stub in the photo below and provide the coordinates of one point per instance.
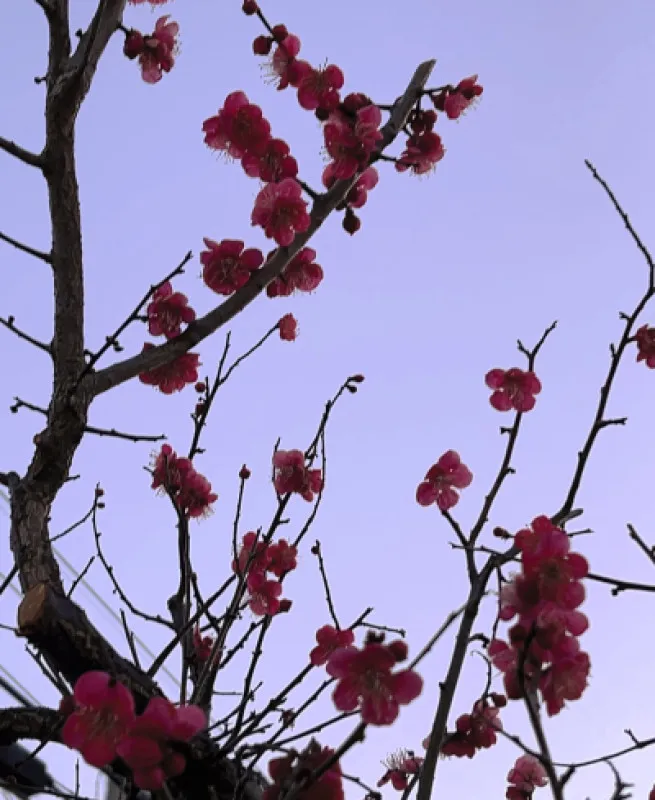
(60, 629)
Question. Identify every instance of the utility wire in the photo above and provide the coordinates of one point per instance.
(96, 596)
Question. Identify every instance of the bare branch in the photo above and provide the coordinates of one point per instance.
(28, 723)
(616, 354)
(32, 159)
(111, 432)
(626, 221)
(25, 248)
(321, 208)
(9, 324)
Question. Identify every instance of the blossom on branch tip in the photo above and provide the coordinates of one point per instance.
(167, 311)
(399, 768)
(422, 153)
(156, 52)
(288, 328)
(291, 475)
(301, 274)
(239, 128)
(102, 713)
(284, 68)
(175, 375)
(227, 266)
(454, 100)
(281, 211)
(513, 388)
(441, 481)
(645, 338)
(365, 681)
(328, 640)
(525, 776)
(189, 490)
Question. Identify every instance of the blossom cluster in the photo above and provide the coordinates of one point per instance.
(257, 558)
(102, 724)
(475, 731)
(188, 489)
(165, 315)
(543, 652)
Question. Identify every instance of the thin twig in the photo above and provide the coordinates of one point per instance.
(9, 324)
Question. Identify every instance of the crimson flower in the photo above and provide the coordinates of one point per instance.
(525, 776)
(284, 770)
(274, 165)
(319, 88)
(291, 475)
(288, 326)
(328, 640)
(264, 595)
(159, 49)
(239, 128)
(351, 134)
(227, 266)
(365, 680)
(301, 274)
(175, 375)
(645, 338)
(103, 713)
(189, 490)
(513, 388)
(147, 751)
(454, 100)
(167, 311)
(254, 555)
(281, 211)
(442, 479)
(399, 767)
(282, 558)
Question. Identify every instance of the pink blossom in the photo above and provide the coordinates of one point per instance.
(301, 274)
(281, 211)
(227, 266)
(291, 475)
(442, 479)
(513, 388)
(365, 680)
(167, 311)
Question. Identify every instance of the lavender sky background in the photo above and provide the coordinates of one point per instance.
(510, 233)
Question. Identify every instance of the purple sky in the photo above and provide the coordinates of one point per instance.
(509, 234)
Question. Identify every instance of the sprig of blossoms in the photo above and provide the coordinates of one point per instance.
(543, 652)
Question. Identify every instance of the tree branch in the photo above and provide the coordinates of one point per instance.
(322, 207)
(32, 159)
(25, 248)
(110, 432)
(9, 324)
(39, 724)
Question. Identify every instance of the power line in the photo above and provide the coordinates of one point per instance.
(96, 596)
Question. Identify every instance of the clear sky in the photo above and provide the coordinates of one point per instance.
(509, 234)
